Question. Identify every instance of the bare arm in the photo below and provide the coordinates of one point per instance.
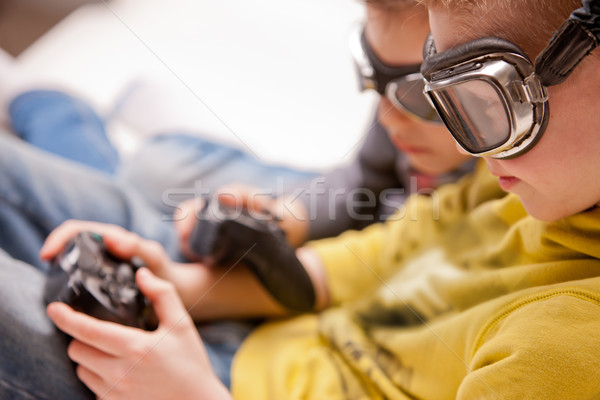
(216, 293)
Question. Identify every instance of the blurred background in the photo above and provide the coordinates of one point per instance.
(273, 77)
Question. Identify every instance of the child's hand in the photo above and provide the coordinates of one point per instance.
(118, 362)
(290, 212)
(185, 219)
(234, 195)
(118, 241)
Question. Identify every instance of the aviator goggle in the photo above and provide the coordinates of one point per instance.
(492, 98)
(402, 85)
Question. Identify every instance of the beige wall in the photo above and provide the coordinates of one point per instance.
(23, 21)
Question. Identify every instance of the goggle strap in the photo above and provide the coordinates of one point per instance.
(383, 73)
(428, 47)
(589, 15)
(571, 43)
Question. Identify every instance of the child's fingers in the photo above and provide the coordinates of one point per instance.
(186, 218)
(244, 196)
(119, 242)
(58, 238)
(127, 246)
(108, 337)
(163, 296)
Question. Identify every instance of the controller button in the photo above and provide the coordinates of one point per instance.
(96, 237)
(124, 274)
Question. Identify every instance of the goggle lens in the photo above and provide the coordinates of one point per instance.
(476, 115)
(402, 85)
(406, 93)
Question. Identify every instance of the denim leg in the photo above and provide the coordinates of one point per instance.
(39, 191)
(174, 167)
(19, 236)
(222, 340)
(33, 353)
(63, 125)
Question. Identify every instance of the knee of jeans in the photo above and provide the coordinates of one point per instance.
(46, 101)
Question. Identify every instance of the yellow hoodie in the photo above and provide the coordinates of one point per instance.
(461, 296)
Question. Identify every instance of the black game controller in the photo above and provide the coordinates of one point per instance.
(225, 235)
(93, 281)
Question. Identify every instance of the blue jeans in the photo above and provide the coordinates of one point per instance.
(38, 190)
(175, 166)
(164, 171)
(65, 126)
(33, 352)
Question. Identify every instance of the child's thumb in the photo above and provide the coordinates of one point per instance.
(163, 296)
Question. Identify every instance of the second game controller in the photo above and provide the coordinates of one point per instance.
(225, 235)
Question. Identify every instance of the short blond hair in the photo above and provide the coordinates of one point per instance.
(527, 23)
(399, 5)
(392, 3)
